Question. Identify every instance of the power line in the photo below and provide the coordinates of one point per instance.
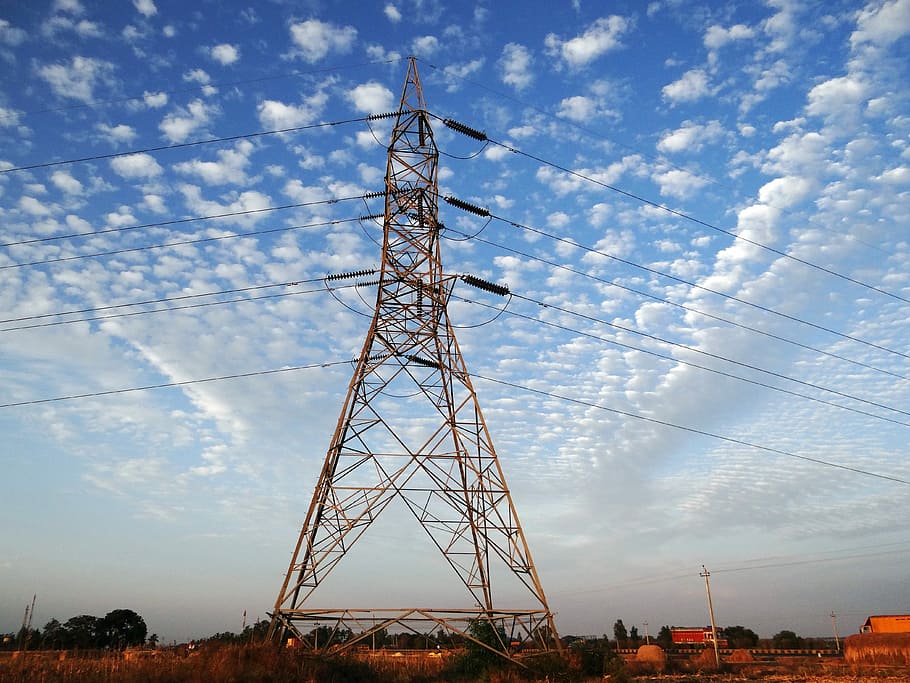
(513, 385)
(182, 145)
(706, 224)
(217, 84)
(764, 385)
(499, 311)
(179, 308)
(664, 578)
(481, 136)
(180, 243)
(684, 307)
(597, 134)
(179, 221)
(691, 430)
(694, 285)
(167, 385)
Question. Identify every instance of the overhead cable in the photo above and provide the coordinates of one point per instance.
(684, 307)
(180, 145)
(694, 285)
(703, 223)
(513, 385)
(179, 243)
(680, 361)
(692, 430)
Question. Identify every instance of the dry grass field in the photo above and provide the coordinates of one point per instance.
(265, 664)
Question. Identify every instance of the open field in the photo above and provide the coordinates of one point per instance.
(263, 664)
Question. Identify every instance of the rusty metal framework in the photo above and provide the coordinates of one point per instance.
(411, 429)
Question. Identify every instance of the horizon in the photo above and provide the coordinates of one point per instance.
(700, 212)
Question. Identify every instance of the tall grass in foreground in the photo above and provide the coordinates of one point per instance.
(245, 664)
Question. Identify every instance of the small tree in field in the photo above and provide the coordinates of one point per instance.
(786, 640)
(620, 633)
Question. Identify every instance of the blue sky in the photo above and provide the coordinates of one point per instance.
(701, 210)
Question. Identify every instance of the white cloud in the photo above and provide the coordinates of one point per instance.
(896, 176)
(154, 203)
(251, 200)
(690, 137)
(178, 125)
(10, 35)
(678, 183)
(693, 85)
(835, 96)
(782, 193)
(9, 117)
(577, 108)
(66, 182)
(601, 37)
(154, 100)
(278, 115)
(456, 72)
(145, 7)
(78, 79)
(230, 167)
(197, 76)
(425, 45)
(83, 28)
(718, 36)
(35, 207)
(515, 65)
(225, 54)
(120, 133)
(136, 166)
(371, 98)
(882, 23)
(392, 13)
(71, 6)
(316, 39)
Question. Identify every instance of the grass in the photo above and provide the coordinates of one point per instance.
(267, 664)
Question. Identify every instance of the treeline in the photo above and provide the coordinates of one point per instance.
(737, 637)
(116, 630)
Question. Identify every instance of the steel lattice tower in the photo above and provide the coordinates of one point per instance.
(411, 429)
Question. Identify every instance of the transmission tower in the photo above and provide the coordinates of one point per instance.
(411, 429)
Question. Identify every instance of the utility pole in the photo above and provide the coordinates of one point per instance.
(706, 574)
(647, 637)
(834, 624)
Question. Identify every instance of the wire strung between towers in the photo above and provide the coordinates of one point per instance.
(180, 243)
(694, 285)
(481, 136)
(180, 221)
(193, 143)
(679, 361)
(690, 309)
(486, 286)
(513, 385)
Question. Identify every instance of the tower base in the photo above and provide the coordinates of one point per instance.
(513, 634)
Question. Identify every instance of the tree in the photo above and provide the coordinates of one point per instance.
(633, 636)
(786, 640)
(54, 635)
(739, 636)
(122, 628)
(620, 633)
(82, 632)
(665, 637)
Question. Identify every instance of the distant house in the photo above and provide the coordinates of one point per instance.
(694, 635)
(887, 623)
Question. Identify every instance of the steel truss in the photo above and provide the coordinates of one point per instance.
(411, 429)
